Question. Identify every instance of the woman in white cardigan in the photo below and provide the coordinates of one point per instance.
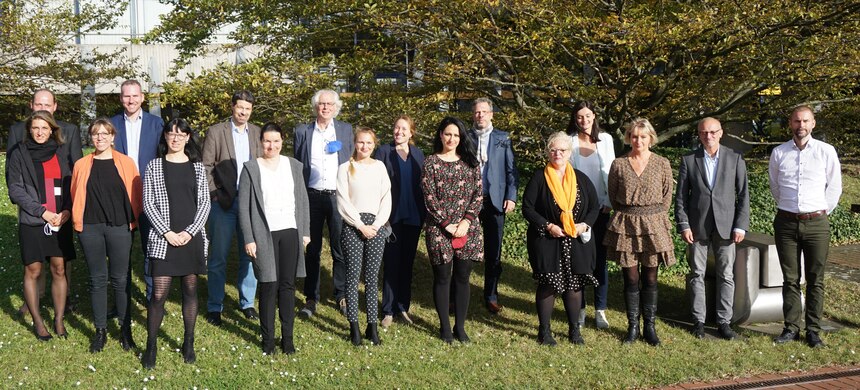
(593, 152)
(364, 202)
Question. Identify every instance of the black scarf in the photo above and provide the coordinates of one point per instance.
(42, 152)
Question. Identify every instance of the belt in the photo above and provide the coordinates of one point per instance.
(320, 192)
(801, 216)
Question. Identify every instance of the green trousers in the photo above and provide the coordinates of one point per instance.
(812, 239)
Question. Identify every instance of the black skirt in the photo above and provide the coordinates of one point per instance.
(181, 187)
(36, 246)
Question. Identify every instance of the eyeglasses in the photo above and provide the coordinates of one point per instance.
(177, 136)
(100, 135)
(710, 133)
(326, 104)
(558, 151)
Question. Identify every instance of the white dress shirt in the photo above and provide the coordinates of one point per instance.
(132, 135)
(323, 175)
(808, 180)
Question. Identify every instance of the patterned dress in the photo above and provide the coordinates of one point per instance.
(639, 229)
(452, 191)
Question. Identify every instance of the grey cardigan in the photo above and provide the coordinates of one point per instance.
(255, 228)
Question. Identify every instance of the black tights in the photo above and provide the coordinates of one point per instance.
(632, 277)
(545, 302)
(155, 310)
(442, 290)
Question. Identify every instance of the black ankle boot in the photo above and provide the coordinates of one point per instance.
(632, 301)
(545, 336)
(287, 346)
(372, 333)
(354, 333)
(125, 339)
(649, 315)
(148, 359)
(97, 343)
(574, 335)
(188, 353)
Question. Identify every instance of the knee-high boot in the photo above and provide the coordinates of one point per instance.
(631, 298)
(649, 314)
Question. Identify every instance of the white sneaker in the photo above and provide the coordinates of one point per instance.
(387, 320)
(600, 319)
(581, 317)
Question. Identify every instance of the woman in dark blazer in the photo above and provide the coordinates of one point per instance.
(176, 200)
(38, 179)
(403, 161)
(560, 205)
(274, 217)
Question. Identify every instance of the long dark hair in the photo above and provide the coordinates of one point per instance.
(465, 149)
(192, 150)
(573, 127)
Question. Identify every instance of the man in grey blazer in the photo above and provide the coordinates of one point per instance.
(321, 146)
(228, 145)
(712, 211)
(499, 175)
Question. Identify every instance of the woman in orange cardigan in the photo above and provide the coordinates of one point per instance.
(106, 201)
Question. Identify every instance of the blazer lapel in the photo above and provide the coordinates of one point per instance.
(700, 164)
(120, 135)
(231, 147)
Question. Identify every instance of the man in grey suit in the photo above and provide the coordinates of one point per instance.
(321, 146)
(712, 211)
(228, 145)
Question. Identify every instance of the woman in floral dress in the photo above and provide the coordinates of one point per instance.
(453, 195)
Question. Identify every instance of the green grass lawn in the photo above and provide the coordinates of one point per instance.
(503, 352)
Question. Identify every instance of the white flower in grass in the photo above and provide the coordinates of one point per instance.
(197, 371)
(26, 368)
(90, 366)
(78, 383)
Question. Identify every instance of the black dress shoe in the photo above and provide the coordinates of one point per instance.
(46, 337)
(813, 341)
(309, 309)
(462, 337)
(786, 336)
(97, 343)
(726, 332)
(698, 330)
(126, 341)
(251, 314)
(214, 318)
(287, 347)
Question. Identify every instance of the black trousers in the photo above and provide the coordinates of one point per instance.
(397, 262)
(283, 291)
(493, 223)
(108, 250)
(323, 209)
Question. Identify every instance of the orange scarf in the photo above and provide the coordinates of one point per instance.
(564, 194)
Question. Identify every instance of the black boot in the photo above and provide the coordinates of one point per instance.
(649, 314)
(354, 333)
(97, 343)
(188, 353)
(125, 339)
(148, 359)
(545, 336)
(287, 346)
(574, 336)
(372, 333)
(631, 298)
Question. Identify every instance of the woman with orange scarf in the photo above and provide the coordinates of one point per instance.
(561, 205)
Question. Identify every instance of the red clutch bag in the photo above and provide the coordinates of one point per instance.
(458, 242)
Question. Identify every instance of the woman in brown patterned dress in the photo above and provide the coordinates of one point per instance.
(640, 190)
(452, 192)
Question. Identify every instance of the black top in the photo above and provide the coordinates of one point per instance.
(181, 184)
(539, 208)
(107, 201)
(387, 153)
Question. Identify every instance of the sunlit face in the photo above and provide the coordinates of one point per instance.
(402, 132)
(131, 98)
(585, 119)
(482, 115)
(364, 145)
(450, 138)
(639, 139)
(242, 112)
(559, 154)
(176, 140)
(801, 124)
(710, 133)
(102, 138)
(272, 144)
(326, 108)
(40, 130)
(43, 101)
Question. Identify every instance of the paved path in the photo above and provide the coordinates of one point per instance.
(843, 263)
